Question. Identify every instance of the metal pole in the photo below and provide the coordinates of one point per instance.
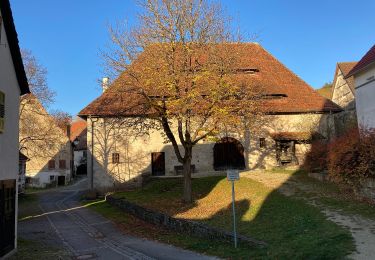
(234, 217)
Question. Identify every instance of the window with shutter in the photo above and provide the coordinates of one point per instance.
(51, 164)
(2, 111)
(62, 164)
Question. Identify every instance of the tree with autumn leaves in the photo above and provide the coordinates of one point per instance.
(180, 69)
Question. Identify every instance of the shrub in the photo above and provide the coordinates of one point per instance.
(351, 157)
(316, 159)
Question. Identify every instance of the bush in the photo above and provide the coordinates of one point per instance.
(316, 159)
(351, 157)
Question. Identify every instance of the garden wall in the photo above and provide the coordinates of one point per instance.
(180, 225)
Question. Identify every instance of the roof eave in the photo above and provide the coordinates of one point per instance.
(14, 48)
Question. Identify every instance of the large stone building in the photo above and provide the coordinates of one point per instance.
(13, 83)
(293, 115)
(364, 81)
(46, 145)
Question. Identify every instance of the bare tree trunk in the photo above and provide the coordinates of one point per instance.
(188, 198)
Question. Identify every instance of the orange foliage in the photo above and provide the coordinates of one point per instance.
(348, 159)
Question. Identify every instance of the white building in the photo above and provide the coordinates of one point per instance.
(13, 83)
(364, 80)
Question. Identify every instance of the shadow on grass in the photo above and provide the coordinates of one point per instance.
(290, 226)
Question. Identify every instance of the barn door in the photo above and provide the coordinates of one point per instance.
(7, 216)
(229, 154)
(158, 164)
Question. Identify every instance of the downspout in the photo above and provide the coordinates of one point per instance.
(92, 152)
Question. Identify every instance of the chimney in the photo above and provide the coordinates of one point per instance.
(105, 83)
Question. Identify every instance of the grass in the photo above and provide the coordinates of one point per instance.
(291, 227)
(30, 250)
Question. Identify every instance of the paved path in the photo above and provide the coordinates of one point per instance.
(86, 234)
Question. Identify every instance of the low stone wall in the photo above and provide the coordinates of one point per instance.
(368, 189)
(180, 225)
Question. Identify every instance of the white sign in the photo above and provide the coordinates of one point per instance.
(233, 175)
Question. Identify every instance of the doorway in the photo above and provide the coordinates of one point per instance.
(7, 215)
(158, 164)
(229, 154)
(60, 180)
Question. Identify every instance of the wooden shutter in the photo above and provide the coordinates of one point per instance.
(62, 164)
(51, 164)
(2, 111)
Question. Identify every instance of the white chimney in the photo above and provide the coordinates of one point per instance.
(105, 83)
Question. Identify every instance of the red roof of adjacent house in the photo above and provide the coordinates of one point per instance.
(76, 128)
(295, 95)
(366, 60)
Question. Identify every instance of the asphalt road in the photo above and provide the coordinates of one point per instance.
(88, 235)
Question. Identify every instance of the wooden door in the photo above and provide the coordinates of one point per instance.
(158, 164)
(7, 215)
(60, 180)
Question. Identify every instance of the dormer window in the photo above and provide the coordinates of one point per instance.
(247, 70)
(274, 96)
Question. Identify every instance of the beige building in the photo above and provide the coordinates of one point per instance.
(13, 83)
(46, 145)
(343, 94)
(294, 115)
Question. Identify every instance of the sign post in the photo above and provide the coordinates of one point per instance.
(233, 175)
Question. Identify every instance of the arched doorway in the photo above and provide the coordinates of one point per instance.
(229, 154)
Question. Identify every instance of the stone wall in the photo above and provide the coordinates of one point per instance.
(135, 151)
(342, 94)
(180, 225)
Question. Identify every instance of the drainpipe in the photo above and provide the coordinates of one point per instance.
(92, 152)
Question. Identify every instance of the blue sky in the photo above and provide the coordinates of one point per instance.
(309, 37)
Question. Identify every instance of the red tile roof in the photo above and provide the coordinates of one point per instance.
(78, 129)
(366, 60)
(272, 76)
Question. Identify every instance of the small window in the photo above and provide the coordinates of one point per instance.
(115, 158)
(62, 164)
(262, 142)
(2, 112)
(51, 164)
(52, 177)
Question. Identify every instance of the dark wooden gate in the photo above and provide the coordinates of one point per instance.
(7, 216)
(60, 180)
(229, 154)
(158, 164)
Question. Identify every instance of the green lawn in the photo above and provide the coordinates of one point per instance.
(291, 227)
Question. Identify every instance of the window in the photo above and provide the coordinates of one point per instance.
(52, 177)
(62, 164)
(115, 158)
(2, 111)
(51, 164)
(262, 142)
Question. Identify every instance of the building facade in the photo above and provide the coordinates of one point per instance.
(46, 145)
(13, 83)
(364, 81)
(343, 94)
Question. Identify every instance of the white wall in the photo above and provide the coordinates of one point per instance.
(9, 138)
(365, 95)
